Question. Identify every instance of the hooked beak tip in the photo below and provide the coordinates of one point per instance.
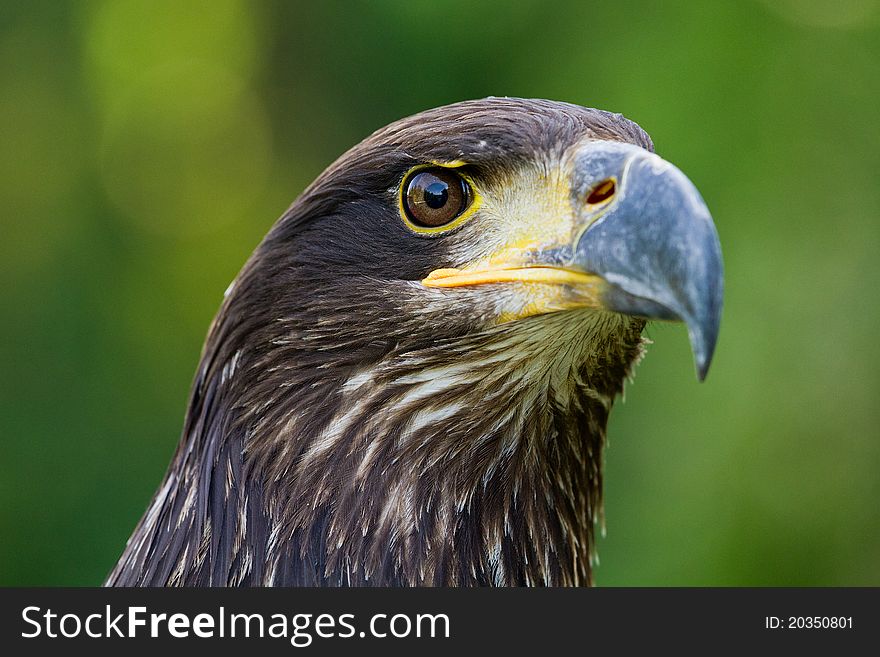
(655, 245)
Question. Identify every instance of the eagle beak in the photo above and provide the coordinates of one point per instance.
(642, 243)
(650, 237)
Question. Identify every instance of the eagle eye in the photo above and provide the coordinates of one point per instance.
(433, 198)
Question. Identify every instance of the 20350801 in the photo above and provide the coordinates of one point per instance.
(809, 622)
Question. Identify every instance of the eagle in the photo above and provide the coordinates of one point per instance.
(409, 381)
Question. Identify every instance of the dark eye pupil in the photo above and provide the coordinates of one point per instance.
(434, 197)
(436, 194)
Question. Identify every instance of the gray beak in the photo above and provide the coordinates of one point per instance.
(652, 240)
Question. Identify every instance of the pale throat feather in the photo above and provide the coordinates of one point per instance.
(475, 462)
(506, 426)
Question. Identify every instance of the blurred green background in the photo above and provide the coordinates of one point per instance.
(147, 146)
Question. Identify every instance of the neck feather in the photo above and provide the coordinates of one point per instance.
(472, 462)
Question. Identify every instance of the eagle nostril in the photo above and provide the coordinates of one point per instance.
(602, 192)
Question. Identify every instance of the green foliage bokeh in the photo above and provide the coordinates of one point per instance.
(148, 145)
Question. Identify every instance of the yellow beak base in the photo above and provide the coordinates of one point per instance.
(545, 275)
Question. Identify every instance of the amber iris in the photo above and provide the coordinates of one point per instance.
(435, 197)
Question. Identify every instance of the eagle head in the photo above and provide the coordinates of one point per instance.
(409, 381)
